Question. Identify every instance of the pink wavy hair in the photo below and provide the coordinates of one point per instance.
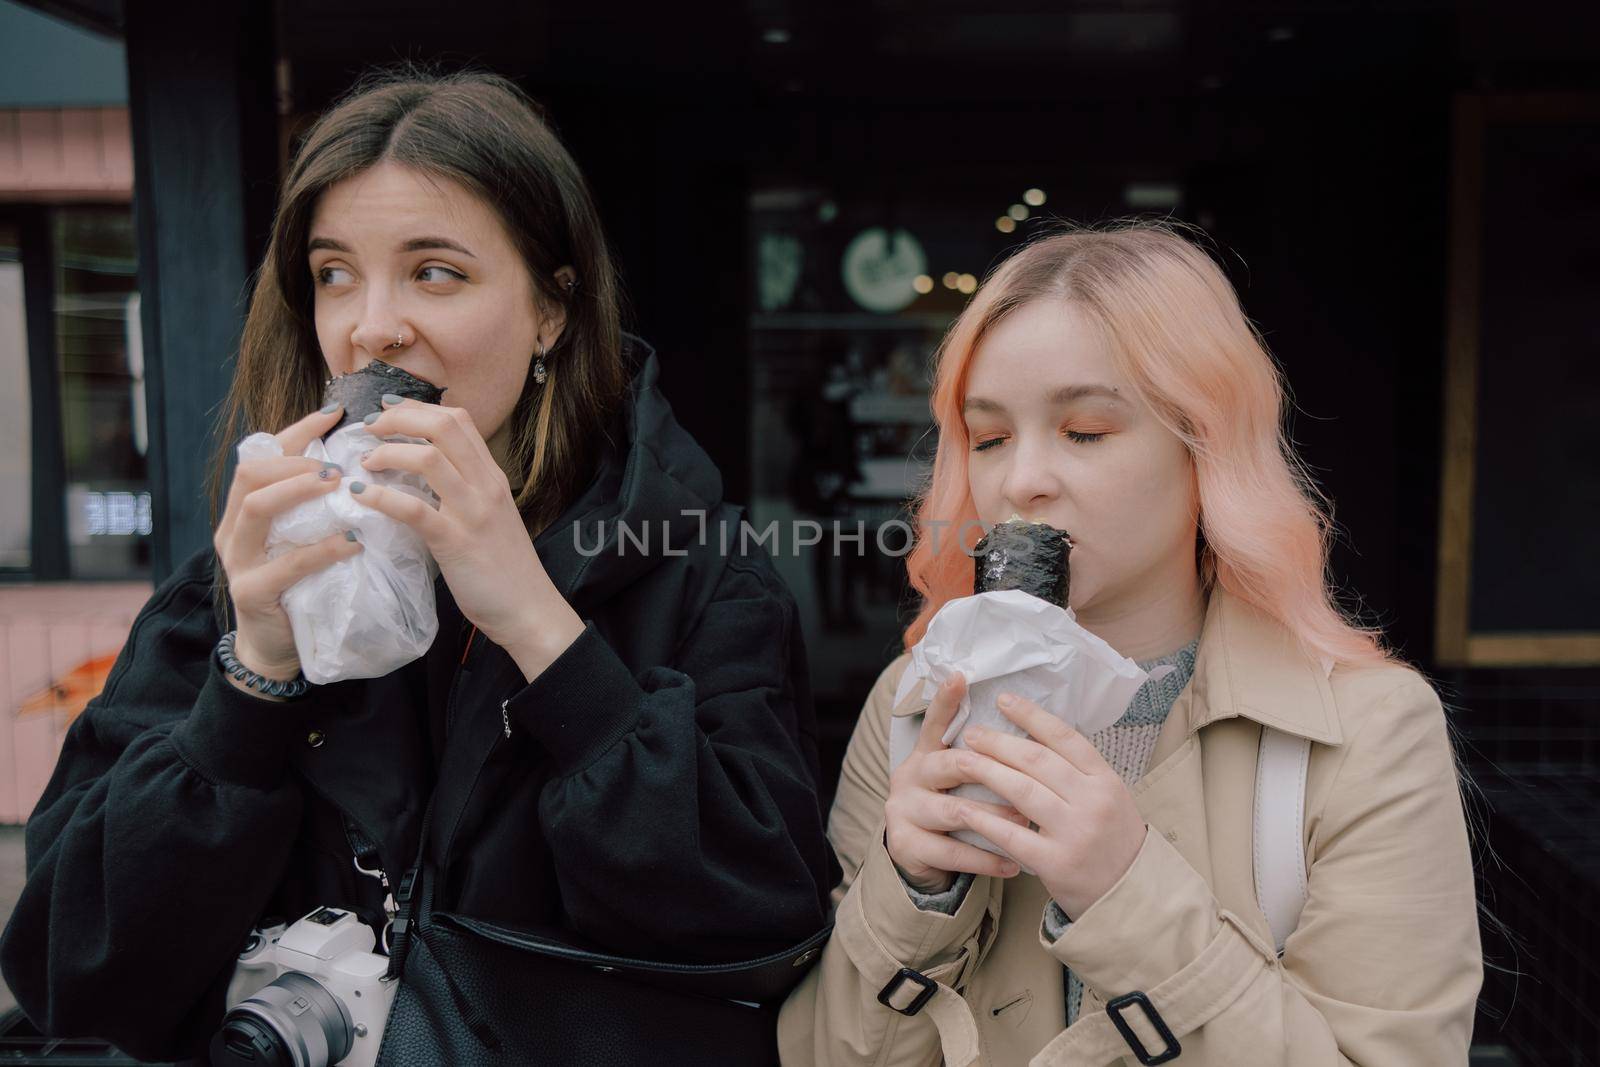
(1179, 335)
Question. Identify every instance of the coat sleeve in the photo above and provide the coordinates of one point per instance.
(834, 1017)
(159, 839)
(683, 817)
(1384, 966)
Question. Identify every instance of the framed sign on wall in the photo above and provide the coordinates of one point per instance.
(1519, 578)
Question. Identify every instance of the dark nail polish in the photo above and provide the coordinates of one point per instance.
(330, 408)
(349, 535)
(325, 474)
(356, 487)
(390, 399)
(370, 419)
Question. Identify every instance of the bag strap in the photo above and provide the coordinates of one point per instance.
(406, 904)
(1280, 804)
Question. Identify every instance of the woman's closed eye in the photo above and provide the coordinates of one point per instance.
(1074, 436)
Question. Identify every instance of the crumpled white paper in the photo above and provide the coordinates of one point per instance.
(364, 616)
(1009, 641)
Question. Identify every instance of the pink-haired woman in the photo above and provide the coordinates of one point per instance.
(1108, 382)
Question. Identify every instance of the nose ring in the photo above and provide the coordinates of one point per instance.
(399, 340)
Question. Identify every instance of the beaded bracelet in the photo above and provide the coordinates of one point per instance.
(288, 688)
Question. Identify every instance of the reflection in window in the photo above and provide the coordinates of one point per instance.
(844, 327)
(102, 393)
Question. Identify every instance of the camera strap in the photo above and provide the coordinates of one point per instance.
(400, 927)
(409, 922)
(464, 756)
(369, 864)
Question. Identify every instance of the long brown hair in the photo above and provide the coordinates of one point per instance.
(483, 132)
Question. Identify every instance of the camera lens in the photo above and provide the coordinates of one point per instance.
(293, 1022)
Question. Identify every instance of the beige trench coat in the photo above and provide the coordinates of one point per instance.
(1383, 969)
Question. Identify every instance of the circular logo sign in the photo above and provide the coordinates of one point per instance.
(879, 268)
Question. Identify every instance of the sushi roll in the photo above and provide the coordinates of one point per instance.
(1030, 556)
(362, 392)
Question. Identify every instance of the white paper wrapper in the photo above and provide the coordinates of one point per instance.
(1008, 641)
(364, 616)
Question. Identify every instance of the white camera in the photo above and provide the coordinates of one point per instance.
(309, 995)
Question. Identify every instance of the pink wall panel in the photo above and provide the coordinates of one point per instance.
(49, 637)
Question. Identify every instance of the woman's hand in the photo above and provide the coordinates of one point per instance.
(918, 814)
(1089, 828)
(261, 489)
(476, 535)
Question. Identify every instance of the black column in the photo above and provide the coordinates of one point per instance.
(200, 78)
(48, 559)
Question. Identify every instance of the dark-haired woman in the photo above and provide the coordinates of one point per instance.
(651, 781)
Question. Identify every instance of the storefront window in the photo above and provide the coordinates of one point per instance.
(104, 432)
(854, 289)
(846, 316)
(16, 453)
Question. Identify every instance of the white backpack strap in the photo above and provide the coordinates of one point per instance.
(1280, 857)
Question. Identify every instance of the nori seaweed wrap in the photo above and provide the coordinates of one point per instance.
(362, 392)
(1030, 556)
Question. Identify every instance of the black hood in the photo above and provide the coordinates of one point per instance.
(650, 475)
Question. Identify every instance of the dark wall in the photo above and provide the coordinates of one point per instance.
(1536, 497)
(1334, 210)
(670, 178)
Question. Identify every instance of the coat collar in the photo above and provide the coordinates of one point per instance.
(1250, 665)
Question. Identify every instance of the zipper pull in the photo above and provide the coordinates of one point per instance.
(505, 717)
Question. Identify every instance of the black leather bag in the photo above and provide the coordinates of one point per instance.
(480, 993)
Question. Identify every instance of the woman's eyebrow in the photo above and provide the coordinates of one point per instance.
(416, 244)
(427, 244)
(1064, 395)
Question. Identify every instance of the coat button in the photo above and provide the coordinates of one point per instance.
(315, 738)
(805, 957)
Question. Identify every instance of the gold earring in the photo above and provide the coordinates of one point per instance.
(539, 373)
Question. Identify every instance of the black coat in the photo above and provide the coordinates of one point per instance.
(657, 792)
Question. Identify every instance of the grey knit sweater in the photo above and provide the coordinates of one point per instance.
(1126, 745)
